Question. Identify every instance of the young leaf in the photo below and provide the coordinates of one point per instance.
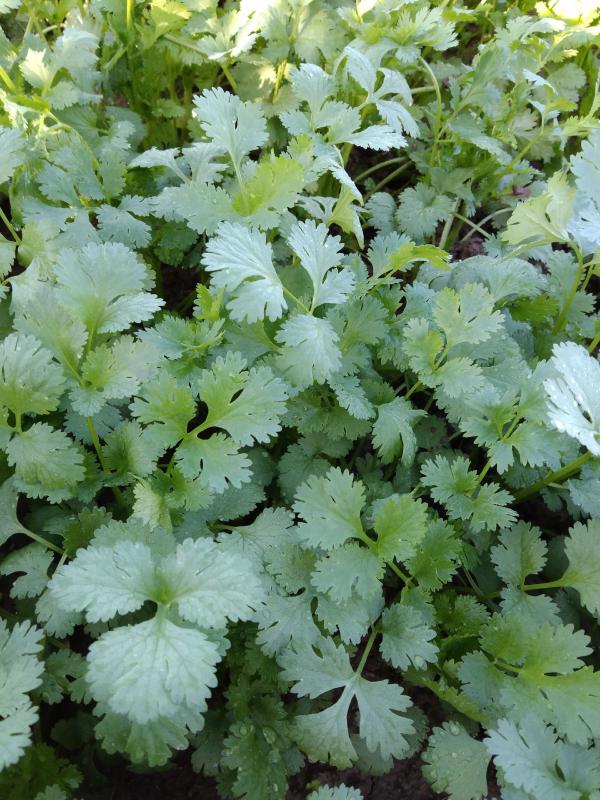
(331, 508)
(456, 763)
(242, 263)
(574, 396)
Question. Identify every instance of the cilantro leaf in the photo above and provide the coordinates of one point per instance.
(456, 763)
(330, 507)
(574, 396)
(241, 262)
(31, 381)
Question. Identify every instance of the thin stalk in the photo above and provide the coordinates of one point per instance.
(414, 388)
(474, 225)
(486, 219)
(532, 246)
(96, 442)
(7, 80)
(279, 79)
(129, 14)
(400, 573)
(507, 169)
(295, 299)
(41, 540)
(387, 180)
(559, 476)
(229, 76)
(367, 651)
(534, 587)
(10, 227)
(562, 319)
(439, 110)
(116, 56)
(448, 226)
(509, 667)
(377, 167)
(594, 343)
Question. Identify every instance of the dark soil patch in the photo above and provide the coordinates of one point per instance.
(404, 782)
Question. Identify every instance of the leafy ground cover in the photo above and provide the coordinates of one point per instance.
(299, 399)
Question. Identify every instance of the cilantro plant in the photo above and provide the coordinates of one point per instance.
(300, 394)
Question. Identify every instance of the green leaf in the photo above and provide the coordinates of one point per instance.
(531, 758)
(103, 286)
(319, 255)
(166, 407)
(310, 352)
(121, 662)
(112, 373)
(436, 558)
(393, 431)
(31, 382)
(456, 763)
(12, 142)
(520, 552)
(544, 217)
(248, 404)
(274, 187)
(330, 507)
(324, 735)
(583, 573)
(574, 395)
(47, 463)
(466, 316)
(406, 637)
(201, 205)
(217, 460)
(20, 673)
(420, 209)
(340, 792)
(348, 569)
(208, 584)
(241, 262)
(234, 126)
(33, 560)
(400, 522)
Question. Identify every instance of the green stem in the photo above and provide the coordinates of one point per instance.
(229, 76)
(507, 169)
(299, 303)
(367, 651)
(414, 388)
(594, 343)
(534, 587)
(116, 56)
(279, 79)
(96, 442)
(486, 219)
(10, 227)
(448, 226)
(562, 319)
(559, 476)
(377, 167)
(400, 573)
(387, 180)
(524, 247)
(129, 14)
(439, 107)
(7, 80)
(41, 540)
(509, 667)
(474, 225)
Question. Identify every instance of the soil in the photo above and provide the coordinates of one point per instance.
(404, 782)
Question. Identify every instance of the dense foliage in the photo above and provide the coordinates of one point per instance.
(299, 392)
